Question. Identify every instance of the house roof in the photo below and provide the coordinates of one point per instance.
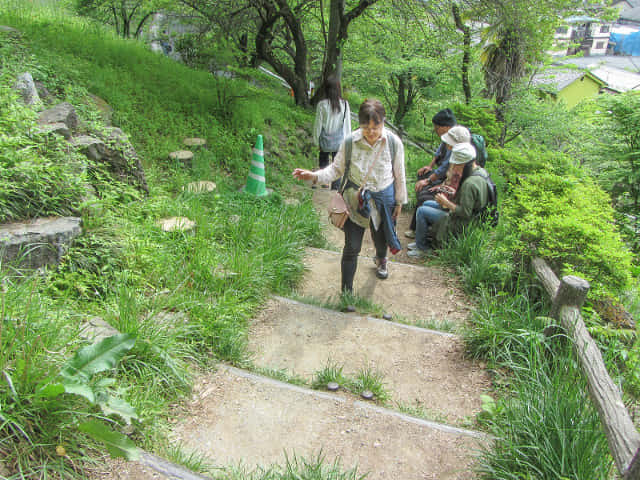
(631, 15)
(560, 78)
(617, 79)
(616, 61)
(624, 4)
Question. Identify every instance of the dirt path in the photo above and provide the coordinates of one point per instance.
(412, 292)
(237, 417)
(420, 368)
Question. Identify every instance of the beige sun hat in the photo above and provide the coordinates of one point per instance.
(462, 153)
(457, 134)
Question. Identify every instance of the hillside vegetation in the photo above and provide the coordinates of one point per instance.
(125, 270)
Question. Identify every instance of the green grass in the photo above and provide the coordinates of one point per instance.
(420, 411)
(545, 426)
(365, 379)
(282, 375)
(185, 297)
(543, 420)
(295, 468)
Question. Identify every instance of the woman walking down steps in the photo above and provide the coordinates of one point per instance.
(380, 176)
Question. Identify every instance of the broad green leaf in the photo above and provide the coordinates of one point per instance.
(120, 407)
(81, 389)
(51, 390)
(97, 357)
(118, 445)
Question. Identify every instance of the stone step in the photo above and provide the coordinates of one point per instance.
(176, 224)
(184, 157)
(148, 467)
(416, 293)
(236, 416)
(195, 142)
(421, 369)
(202, 186)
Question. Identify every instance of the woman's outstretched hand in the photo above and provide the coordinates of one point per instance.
(306, 175)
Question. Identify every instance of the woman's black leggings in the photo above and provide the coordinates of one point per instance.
(353, 235)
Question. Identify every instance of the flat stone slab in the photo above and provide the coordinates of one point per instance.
(56, 128)
(203, 186)
(61, 113)
(97, 329)
(195, 142)
(176, 224)
(421, 368)
(239, 417)
(417, 293)
(181, 156)
(38, 242)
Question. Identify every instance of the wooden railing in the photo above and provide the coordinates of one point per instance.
(568, 297)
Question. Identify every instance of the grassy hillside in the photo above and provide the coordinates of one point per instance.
(124, 268)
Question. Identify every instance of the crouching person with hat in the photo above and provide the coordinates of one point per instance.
(435, 223)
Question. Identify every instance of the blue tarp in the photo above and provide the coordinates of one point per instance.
(626, 44)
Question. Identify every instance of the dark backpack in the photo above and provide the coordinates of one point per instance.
(489, 213)
(481, 149)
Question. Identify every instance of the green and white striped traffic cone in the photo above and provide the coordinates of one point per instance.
(256, 184)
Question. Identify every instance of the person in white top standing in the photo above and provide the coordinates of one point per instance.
(374, 179)
(332, 124)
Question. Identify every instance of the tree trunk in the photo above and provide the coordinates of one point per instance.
(338, 33)
(333, 55)
(406, 94)
(466, 56)
(141, 24)
(296, 77)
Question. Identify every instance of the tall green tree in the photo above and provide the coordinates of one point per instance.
(619, 164)
(518, 34)
(340, 16)
(128, 17)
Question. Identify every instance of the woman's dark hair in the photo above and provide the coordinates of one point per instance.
(333, 92)
(371, 109)
(468, 170)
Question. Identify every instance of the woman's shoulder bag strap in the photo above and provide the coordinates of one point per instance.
(348, 149)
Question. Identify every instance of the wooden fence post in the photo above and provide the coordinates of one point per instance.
(571, 292)
(623, 438)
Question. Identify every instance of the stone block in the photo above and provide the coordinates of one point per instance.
(39, 242)
(27, 89)
(61, 113)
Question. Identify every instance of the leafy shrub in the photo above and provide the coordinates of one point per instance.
(38, 176)
(479, 119)
(570, 223)
(559, 213)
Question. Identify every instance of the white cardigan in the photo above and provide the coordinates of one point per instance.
(329, 120)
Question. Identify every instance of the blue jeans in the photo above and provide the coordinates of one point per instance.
(428, 214)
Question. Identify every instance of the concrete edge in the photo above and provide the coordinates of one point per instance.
(167, 468)
(413, 328)
(365, 406)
